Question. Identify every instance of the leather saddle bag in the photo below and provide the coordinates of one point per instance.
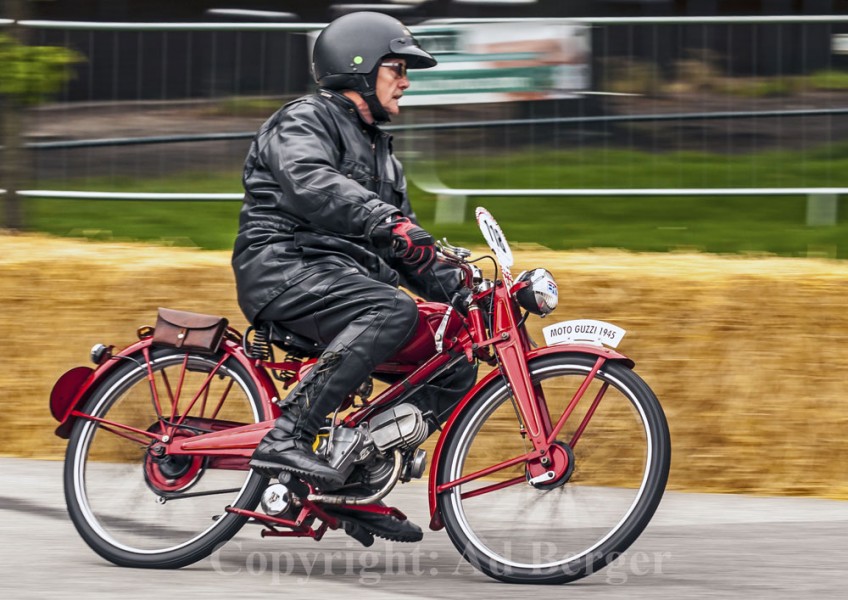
(189, 331)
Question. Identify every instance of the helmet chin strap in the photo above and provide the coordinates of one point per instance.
(368, 91)
(377, 111)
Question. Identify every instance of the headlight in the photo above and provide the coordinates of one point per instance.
(540, 296)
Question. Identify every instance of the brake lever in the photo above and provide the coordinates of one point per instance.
(451, 251)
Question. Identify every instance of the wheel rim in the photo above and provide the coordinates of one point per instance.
(118, 489)
(524, 528)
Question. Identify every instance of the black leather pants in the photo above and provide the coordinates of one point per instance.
(362, 322)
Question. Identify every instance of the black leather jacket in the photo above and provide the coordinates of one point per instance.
(317, 181)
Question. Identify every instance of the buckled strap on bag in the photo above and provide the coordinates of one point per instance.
(190, 331)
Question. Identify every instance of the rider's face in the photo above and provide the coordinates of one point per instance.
(391, 83)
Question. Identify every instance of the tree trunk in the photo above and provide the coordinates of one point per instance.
(11, 165)
(14, 167)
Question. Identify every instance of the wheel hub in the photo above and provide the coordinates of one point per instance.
(171, 473)
(553, 469)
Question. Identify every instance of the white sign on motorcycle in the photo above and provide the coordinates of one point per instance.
(583, 331)
(496, 240)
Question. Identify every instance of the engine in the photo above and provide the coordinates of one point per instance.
(369, 448)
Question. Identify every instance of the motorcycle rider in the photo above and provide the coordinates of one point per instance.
(327, 234)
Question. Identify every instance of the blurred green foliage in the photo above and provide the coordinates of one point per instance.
(31, 74)
(704, 72)
(745, 224)
(830, 79)
(720, 225)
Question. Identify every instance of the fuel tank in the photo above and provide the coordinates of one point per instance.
(422, 346)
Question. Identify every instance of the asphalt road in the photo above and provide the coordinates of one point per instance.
(697, 546)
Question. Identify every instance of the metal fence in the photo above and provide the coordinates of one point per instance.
(733, 100)
(741, 97)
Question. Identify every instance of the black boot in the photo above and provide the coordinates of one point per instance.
(363, 523)
(385, 526)
(288, 446)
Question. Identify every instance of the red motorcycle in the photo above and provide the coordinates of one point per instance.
(548, 469)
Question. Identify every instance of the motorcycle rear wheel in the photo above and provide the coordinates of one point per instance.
(558, 531)
(137, 509)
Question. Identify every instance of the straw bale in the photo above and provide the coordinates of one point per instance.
(748, 355)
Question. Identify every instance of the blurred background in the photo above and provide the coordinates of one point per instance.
(614, 99)
(678, 129)
(680, 166)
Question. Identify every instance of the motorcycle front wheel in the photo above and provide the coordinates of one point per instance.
(556, 531)
(138, 508)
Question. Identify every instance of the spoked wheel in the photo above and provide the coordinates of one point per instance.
(131, 501)
(606, 473)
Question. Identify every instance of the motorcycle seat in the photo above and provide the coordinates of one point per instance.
(290, 341)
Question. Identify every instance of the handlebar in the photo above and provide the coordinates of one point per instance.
(452, 252)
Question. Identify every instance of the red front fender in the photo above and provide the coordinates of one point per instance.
(435, 464)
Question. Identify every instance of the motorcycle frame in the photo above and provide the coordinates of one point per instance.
(508, 348)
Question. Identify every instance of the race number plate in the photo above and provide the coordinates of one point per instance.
(496, 240)
(583, 331)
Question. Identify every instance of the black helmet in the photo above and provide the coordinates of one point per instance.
(353, 45)
(348, 51)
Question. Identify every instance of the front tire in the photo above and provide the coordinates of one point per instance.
(115, 485)
(556, 533)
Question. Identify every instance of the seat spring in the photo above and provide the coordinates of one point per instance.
(260, 346)
(288, 375)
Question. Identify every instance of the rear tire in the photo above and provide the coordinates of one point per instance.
(114, 487)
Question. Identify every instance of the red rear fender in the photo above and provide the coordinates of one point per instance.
(74, 387)
(65, 394)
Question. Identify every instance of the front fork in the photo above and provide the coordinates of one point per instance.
(550, 459)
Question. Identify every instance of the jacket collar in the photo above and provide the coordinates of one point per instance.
(346, 104)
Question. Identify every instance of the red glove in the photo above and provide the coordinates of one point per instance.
(413, 245)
